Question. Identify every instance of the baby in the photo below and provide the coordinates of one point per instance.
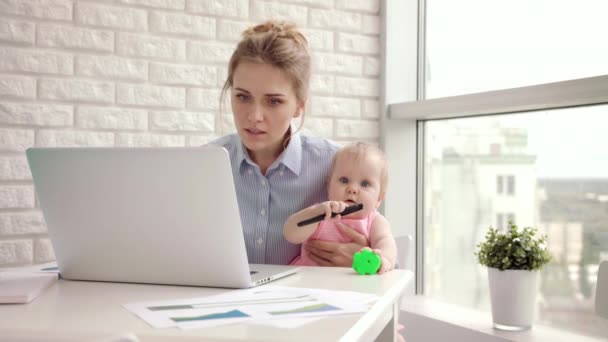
(358, 175)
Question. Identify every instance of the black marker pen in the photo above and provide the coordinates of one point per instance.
(349, 210)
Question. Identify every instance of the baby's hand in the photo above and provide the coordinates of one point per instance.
(386, 264)
(333, 207)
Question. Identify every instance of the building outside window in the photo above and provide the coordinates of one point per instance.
(499, 186)
(510, 185)
(545, 167)
(505, 182)
(503, 220)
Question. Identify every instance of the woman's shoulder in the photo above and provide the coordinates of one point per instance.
(318, 145)
(228, 142)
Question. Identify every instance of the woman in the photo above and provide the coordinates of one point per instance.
(277, 171)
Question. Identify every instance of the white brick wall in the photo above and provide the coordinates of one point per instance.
(35, 61)
(39, 9)
(111, 67)
(63, 36)
(111, 16)
(17, 31)
(177, 23)
(149, 73)
(14, 168)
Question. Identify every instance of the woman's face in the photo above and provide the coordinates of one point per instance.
(264, 103)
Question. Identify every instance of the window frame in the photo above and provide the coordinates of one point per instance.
(405, 110)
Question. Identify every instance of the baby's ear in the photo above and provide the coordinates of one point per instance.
(380, 199)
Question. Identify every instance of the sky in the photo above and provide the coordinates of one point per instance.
(480, 45)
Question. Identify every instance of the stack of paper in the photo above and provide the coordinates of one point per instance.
(22, 287)
(49, 267)
(271, 305)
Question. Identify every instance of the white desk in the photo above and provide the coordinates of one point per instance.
(92, 311)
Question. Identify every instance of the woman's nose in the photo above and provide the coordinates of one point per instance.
(255, 114)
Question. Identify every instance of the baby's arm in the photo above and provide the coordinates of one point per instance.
(382, 242)
(295, 234)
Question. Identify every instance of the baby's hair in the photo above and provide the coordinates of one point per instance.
(361, 150)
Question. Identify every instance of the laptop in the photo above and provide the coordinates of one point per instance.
(145, 215)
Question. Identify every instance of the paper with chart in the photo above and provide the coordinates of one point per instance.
(271, 305)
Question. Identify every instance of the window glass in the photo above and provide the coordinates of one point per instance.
(511, 185)
(478, 45)
(499, 184)
(499, 221)
(553, 167)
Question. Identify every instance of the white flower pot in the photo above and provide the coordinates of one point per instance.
(513, 296)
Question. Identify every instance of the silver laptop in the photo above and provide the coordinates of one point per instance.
(145, 215)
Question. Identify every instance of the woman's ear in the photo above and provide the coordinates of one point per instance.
(300, 107)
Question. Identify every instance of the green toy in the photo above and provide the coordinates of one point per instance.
(366, 262)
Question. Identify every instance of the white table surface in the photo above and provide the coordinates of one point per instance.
(92, 311)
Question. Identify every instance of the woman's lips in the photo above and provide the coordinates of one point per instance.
(254, 131)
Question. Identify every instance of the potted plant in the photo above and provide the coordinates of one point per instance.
(513, 258)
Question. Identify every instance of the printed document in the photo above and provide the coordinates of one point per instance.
(271, 305)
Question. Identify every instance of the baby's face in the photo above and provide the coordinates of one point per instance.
(357, 181)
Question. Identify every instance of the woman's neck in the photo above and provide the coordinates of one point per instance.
(265, 158)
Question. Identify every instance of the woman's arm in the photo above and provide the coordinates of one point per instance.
(295, 234)
(328, 253)
(383, 243)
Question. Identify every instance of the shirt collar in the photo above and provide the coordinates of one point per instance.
(291, 156)
(241, 152)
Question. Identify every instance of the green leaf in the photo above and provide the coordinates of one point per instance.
(513, 249)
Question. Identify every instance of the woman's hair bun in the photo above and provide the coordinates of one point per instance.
(279, 29)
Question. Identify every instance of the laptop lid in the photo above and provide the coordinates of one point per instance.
(144, 215)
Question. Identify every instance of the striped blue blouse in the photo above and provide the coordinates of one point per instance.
(296, 180)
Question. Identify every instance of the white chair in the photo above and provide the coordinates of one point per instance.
(404, 250)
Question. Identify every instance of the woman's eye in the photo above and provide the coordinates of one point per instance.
(343, 180)
(242, 97)
(274, 102)
(365, 184)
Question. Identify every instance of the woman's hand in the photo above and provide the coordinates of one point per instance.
(326, 253)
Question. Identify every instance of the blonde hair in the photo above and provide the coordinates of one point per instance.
(359, 151)
(276, 43)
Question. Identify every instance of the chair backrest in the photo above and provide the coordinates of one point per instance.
(404, 250)
(601, 290)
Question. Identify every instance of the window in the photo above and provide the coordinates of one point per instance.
(510, 219)
(476, 45)
(566, 197)
(503, 220)
(500, 217)
(499, 184)
(531, 154)
(505, 182)
(510, 185)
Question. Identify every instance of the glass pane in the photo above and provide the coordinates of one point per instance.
(553, 167)
(499, 184)
(478, 45)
